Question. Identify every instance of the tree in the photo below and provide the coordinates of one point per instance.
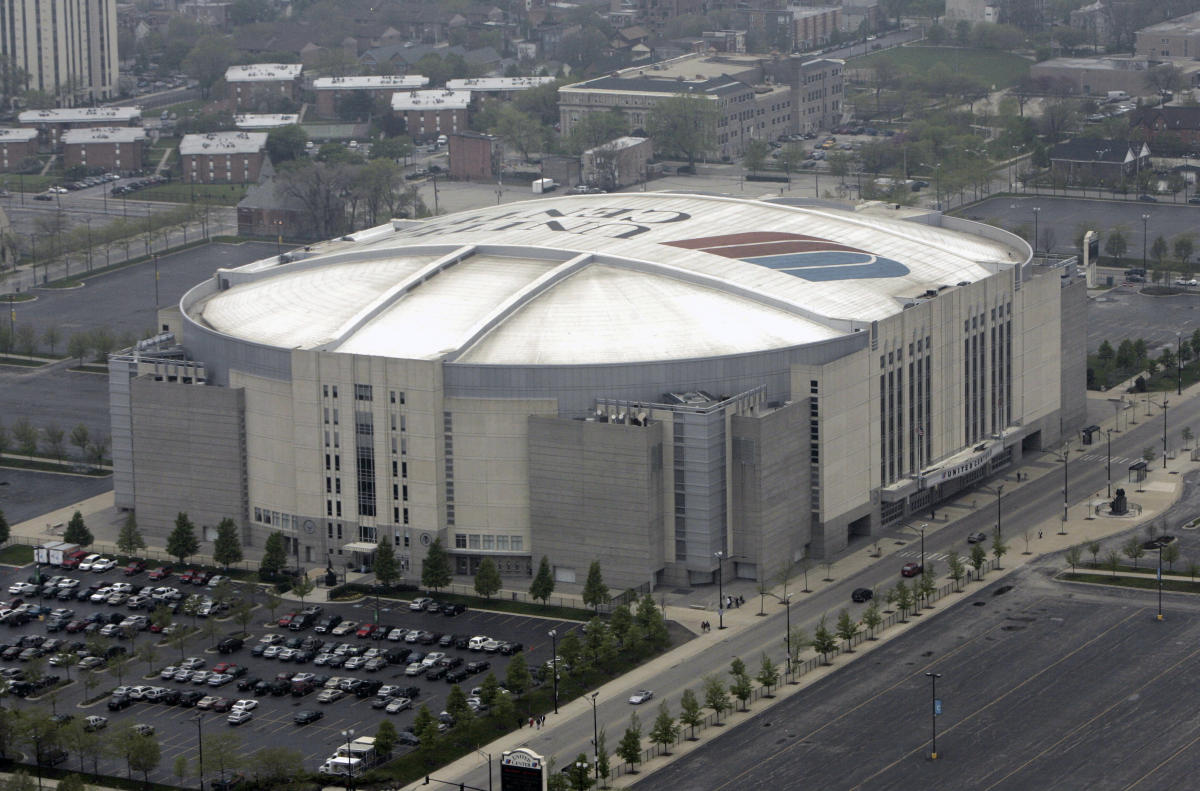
(685, 125)
(4, 530)
(595, 592)
(519, 130)
(927, 586)
(277, 767)
(516, 677)
(71, 783)
(487, 579)
(1169, 554)
(387, 570)
(272, 601)
(665, 731)
(872, 619)
(207, 61)
(303, 586)
(1093, 547)
(716, 696)
(630, 747)
(53, 443)
(543, 583)
(274, 556)
(1158, 250)
(227, 549)
(77, 532)
(1116, 245)
(435, 568)
(740, 686)
(999, 548)
(143, 754)
(1184, 247)
(287, 142)
(1133, 550)
(956, 567)
(596, 129)
(1074, 555)
(21, 781)
(1187, 436)
(182, 542)
(847, 629)
(689, 712)
(1112, 561)
(130, 540)
(756, 155)
(26, 438)
(81, 438)
(768, 674)
(603, 769)
(823, 642)
(905, 599)
(425, 728)
(978, 559)
(385, 738)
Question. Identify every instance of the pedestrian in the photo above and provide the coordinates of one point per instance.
(1039, 535)
(531, 722)
(543, 723)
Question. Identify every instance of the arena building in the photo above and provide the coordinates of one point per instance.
(659, 382)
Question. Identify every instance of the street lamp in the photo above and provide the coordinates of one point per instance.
(1178, 363)
(348, 735)
(999, 491)
(720, 556)
(595, 736)
(1066, 488)
(1145, 233)
(1164, 433)
(200, 746)
(581, 768)
(1036, 211)
(489, 759)
(933, 711)
(1160, 612)
(554, 664)
(1108, 460)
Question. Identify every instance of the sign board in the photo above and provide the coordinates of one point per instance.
(937, 707)
(522, 770)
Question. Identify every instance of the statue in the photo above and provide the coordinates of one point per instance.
(1119, 506)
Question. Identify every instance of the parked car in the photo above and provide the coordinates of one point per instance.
(911, 570)
(160, 573)
(862, 595)
(306, 716)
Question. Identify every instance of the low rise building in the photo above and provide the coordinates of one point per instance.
(813, 26)
(17, 145)
(1097, 163)
(1094, 76)
(222, 157)
(330, 90)
(428, 114)
(1179, 121)
(473, 156)
(52, 123)
(115, 148)
(1175, 38)
(618, 163)
(502, 87)
(244, 84)
(254, 121)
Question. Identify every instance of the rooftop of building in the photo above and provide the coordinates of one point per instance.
(104, 134)
(263, 72)
(485, 84)
(223, 143)
(431, 100)
(66, 115)
(1180, 25)
(11, 134)
(370, 82)
(265, 120)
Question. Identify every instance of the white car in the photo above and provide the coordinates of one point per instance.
(330, 696)
(86, 563)
(238, 716)
(420, 604)
(476, 643)
(245, 705)
(139, 692)
(202, 676)
(345, 627)
(396, 635)
(217, 579)
(22, 588)
(493, 645)
(415, 669)
(168, 672)
(95, 723)
(182, 675)
(433, 658)
(271, 639)
(640, 697)
(398, 705)
(104, 564)
(121, 587)
(355, 662)
(192, 663)
(67, 584)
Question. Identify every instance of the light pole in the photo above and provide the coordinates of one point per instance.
(489, 757)
(1108, 460)
(1145, 233)
(1036, 211)
(581, 768)
(348, 735)
(1066, 488)
(720, 556)
(554, 664)
(999, 491)
(1160, 612)
(1179, 363)
(200, 747)
(1164, 433)
(595, 737)
(933, 711)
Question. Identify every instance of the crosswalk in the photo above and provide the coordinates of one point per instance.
(916, 553)
(1102, 458)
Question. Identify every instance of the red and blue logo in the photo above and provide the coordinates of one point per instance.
(806, 257)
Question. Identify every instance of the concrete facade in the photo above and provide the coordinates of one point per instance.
(618, 163)
(68, 48)
(1175, 38)
(1094, 76)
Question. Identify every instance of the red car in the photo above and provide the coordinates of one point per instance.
(366, 630)
(287, 619)
(136, 567)
(188, 575)
(160, 573)
(221, 667)
(201, 577)
(911, 570)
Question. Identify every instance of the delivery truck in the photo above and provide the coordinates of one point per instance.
(544, 185)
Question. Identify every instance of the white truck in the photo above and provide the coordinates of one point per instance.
(1117, 96)
(342, 765)
(53, 552)
(544, 185)
(351, 757)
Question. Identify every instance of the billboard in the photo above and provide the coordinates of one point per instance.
(522, 770)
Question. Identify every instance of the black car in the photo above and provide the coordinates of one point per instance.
(258, 649)
(412, 693)
(118, 702)
(190, 698)
(248, 683)
(462, 641)
(478, 666)
(457, 675)
(281, 687)
(511, 647)
(451, 610)
(307, 716)
(262, 688)
(862, 594)
(407, 738)
(51, 756)
(230, 644)
(328, 623)
(398, 656)
(435, 672)
(450, 662)
(368, 688)
(171, 698)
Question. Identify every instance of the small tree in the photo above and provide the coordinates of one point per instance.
(716, 696)
(425, 728)
(303, 586)
(543, 583)
(78, 345)
(689, 712)
(487, 579)
(1170, 554)
(4, 530)
(1112, 561)
(630, 748)
(847, 629)
(595, 592)
(872, 619)
(1187, 436)
(740, 686)
(386, 737)
(386, 569)
(51, 336)
(435, 568)
(978, 559)
(768, 674)
(26, 438)
(1193, 568)
(274, 556)
(81, 438)
(927, 586)
(957, 569)
(227, 548)
(130, 540)
(1093, 547)
(1074, 555)
(665, 731)
(1133, 550)
(53, 443)
(182, 542)
(824, 642)
(602, 763)
(77, 532)
(797, 641)
(516, 677)
(999, 548)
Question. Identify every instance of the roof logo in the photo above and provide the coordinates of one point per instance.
(807, 257)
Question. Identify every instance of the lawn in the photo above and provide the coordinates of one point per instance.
(215, 194)
(994, 67)
(32, 183)
(17, 554)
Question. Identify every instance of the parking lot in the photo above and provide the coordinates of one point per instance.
(272, 717)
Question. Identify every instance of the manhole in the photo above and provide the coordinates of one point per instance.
(1011, 628)
(766, 725)
(927, 654)
(978, 603)
(1003, 589)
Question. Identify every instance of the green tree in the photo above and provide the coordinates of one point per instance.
(80, 438)
(1093, 548)
(596, 129)
(227, 549)
(130, 540)
(286, 143)
(927, 586)
(904, 599)
(630, 748)
(999, 548)
(595, 592)
(519, 130)
(665, 731)
(386, 568)
(740, 686)
(570, 648)
(1170, 554)
(872, 619)
(26, 437)
(4, 528)
(487, 579)
(182, 542)
(756, 155)
(650, 618)
(716, 696)
(71, 783)
(1116, 245)
(978, 560)
(435, 568)
(1133, 550)
(689, 712)
(385, 738)
(516, 677)
(144, 754)
(1074, 556)
(425, 728)
(207, 61)
(21, 781)
(685, 124)
(396, 148)
(53, 443)
(77, 532)
(274, 556)
(768, 674)
(1184, 248)
(543, 583)
(824, 642)
(1112, 561)
(957, 568)
(303, 586)
(78, 345)
(603, 769)
(277, 767)
(847, 629)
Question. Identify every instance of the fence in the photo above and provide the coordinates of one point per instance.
(104, 548)
(798, 669)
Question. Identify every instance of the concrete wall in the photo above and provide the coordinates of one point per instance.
(189, 455)
(595, 494)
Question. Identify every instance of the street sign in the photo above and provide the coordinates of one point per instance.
(937, 707)
(522, 770)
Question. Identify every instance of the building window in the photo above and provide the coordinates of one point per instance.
(362, 393)
(473, 540)
(460, 540)
(516, 542)
(502, 543)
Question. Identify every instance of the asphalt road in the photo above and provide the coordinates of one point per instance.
(25, 495)
(1043, 686)
(1124, 312)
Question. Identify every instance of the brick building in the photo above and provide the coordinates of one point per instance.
(618, 163)
(501, 87)
(328, 90)
(223, 157)
(428, 114)
(258, 121)
(1179, 120)
(16, 145)
(243, 84)
(51, 124)
(473, 156)
(812, 27)
(1175, 38)
(113, 148)
(1097, 163)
